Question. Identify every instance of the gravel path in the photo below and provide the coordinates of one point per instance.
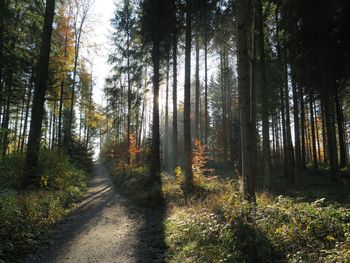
(104, 228)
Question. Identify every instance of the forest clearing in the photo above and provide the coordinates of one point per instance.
(174, 131)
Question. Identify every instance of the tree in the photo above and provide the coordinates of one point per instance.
(32, 155)
(261, 74)
(246, 96)
(187, 103)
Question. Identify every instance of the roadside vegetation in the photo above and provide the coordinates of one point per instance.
(215, 224)
(27, 217)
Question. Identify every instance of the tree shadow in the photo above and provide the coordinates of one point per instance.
(254, 246)
(312, 185)
(80, 220)
(151, 246)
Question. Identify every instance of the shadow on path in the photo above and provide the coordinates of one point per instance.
(105, 227)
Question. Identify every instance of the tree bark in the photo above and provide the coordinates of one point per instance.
(313, 133)
(297, 149)
(32, 156)
(174, 137)
(341, 134)
(261, 73)
(206, 117)
(302, 128)
(155, 151)
(197, 95)
(246, 96)
(166, 130)
(187, 102)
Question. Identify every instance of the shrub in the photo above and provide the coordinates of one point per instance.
(25, 218)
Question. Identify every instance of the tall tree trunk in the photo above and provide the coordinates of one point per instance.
(331, 137)
(341, 135)
(317, 133)
(53, 136)
(206, 116)
(187, 102)
(60, 107)
(246, 96)
(32, 156)
(2, 23)
(290, 152)
(6, 119)
(174, 137)
(223, 104)
(166, 131)
(129, 79)
(21, 124)
(197, 95)
(324, 135)
(261, 73)
(25, 125)
(60, 115)
(297, 149)
(302, 128)
(313, 133)
(155, 152)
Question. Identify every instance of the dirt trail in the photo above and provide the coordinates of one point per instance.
(106, 228)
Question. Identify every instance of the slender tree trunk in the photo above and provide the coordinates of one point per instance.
(129, 80)
(25, 125)
(331, 137)
(197, 95)
(246, 96)
(313, 133)
(261, 73)
(290, 151)
(341, 135)
(223, 105)
(53, 136)
(302, 128)
(32, 156)
(155, 152)
(174, 137)
(317, 133)
(206, 116)
(324, 135)
(187, 102)
(166, 132)
(2, 18)
(20, 138)
(6, 118)
(297, 149)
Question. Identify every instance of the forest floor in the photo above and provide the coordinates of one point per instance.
(105, 227)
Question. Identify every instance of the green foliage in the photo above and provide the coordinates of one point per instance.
(25, 218)
(11, 168)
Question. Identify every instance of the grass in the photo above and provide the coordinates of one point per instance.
(27, 218)
(307, 222)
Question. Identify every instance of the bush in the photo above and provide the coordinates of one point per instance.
(11, 168)
(26, 218)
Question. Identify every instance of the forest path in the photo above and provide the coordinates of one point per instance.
(105, 227)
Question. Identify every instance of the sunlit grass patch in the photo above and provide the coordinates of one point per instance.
(221, 227)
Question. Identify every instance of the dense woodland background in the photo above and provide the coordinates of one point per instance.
(238, 110)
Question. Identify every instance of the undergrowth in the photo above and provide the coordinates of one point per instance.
(26, 218)
(215, 224)
(221, 227)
